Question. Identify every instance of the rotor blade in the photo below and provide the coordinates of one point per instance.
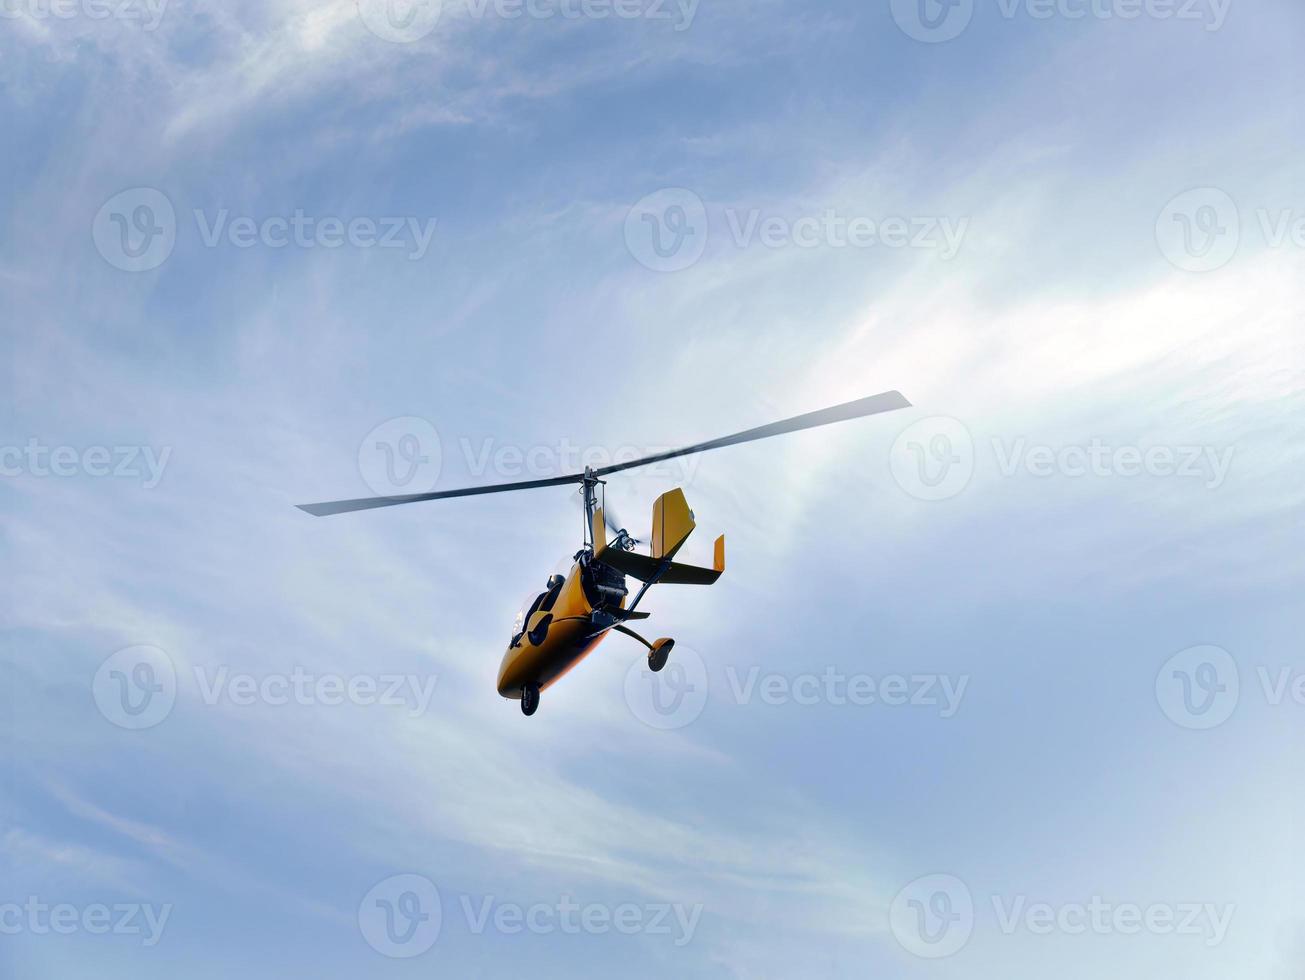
(370, 503)
(888, 401)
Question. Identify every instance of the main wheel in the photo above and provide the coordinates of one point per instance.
(658, 656)
(529, 700)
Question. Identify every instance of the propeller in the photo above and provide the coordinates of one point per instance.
(613, 522)
(887, 401)
(617, 528)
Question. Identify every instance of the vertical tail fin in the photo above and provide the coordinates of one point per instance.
(672, 523)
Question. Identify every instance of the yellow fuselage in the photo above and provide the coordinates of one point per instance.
(571, 636)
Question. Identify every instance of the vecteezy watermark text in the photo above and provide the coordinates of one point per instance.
(302, 230)
(935, 916)
(488, 456)
(668, 230)
(829, 229)
(1210, 14)
(406, 21)
(938, 21)
(676, 696)
(679, 13)
(39, 918)
(834, 687)
(144, 463)
(149, 13)
(137, 687)
(302, 687)
(936, 458)
(406, 455)
(402, 917)
(1206, 463)
(569, 917)
(137, 230)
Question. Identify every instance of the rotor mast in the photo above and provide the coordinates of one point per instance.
(591, 482)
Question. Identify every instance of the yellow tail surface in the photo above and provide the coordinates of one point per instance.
(672, 523)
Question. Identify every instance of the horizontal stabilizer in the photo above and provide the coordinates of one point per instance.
(647, 569)
(632, 564)
(688, 575)
(693, 575)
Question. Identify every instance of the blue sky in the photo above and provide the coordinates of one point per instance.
(1077, 560)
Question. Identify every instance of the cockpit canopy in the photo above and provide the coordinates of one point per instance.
(537, 602)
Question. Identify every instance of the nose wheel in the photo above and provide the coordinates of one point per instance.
(529, 700)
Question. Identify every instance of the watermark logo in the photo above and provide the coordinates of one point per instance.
(401, 456)
(1202, 230)
(1199, 688)
(136, 230)
(933, 459)
(672, 698)
(933, 917)
(136, 688)
(407, 455)
(933, 21)
(1199, 230)
(400, 21)
(401, 916)
(667, 230)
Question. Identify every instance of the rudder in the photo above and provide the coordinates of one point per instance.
(672, 523)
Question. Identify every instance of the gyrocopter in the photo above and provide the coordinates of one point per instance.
(567, 620)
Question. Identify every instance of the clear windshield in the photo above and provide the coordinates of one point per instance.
(527, 604)
(519, 624)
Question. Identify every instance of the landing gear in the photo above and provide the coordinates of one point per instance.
(659, 654)
(529, 700)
